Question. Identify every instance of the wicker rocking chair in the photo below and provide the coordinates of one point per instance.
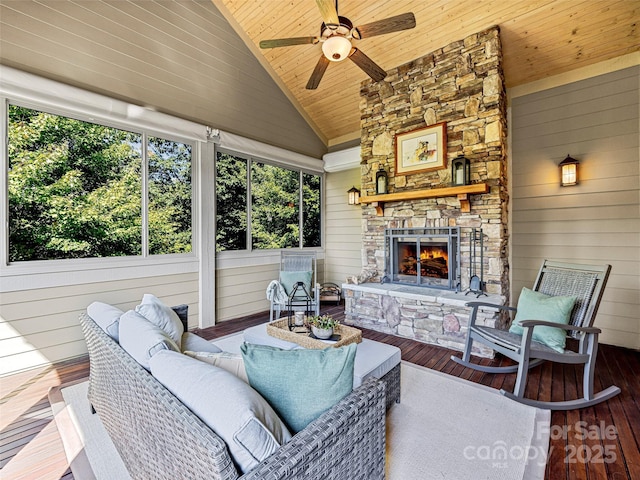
(584, 282)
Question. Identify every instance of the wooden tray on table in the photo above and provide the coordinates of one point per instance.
(303, 337)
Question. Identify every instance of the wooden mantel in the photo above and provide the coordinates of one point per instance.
(462, 192)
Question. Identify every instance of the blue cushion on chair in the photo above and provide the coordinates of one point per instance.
(538, 306)
(289, 280)
(300, 385)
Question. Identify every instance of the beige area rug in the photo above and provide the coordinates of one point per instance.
(449, 428)
(444, 428)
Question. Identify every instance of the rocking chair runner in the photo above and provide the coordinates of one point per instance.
(584, 282)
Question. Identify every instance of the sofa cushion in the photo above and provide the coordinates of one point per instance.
(195, 343)
(300, 384)
(142, 339)
(229, 406)
(162, 316)
(231, 362)
(106, 316)
(534, 305)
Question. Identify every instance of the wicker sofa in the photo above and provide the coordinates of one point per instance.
(160, 438)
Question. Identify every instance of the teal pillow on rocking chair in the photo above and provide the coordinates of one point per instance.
(538, 306)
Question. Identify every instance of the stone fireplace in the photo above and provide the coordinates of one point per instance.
(462, 86)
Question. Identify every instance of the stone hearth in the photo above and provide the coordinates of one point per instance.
(433, 316)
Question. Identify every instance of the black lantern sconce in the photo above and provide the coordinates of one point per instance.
(568, 172)
(354, 196)
(382, 181)
(460, 171)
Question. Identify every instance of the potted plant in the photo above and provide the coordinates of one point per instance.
(322, 326)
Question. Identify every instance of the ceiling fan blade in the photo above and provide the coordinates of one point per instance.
(328, 11)
(285, 42)
(369, 66)
(388, 25)
(317, 73)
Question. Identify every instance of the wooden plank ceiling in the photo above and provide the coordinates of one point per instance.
(540, 38)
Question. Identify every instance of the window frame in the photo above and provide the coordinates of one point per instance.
(235, 257)
(90, 263)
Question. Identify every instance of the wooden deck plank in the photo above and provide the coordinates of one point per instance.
(30, 446)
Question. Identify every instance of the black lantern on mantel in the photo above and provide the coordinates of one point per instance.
(460, 171)
(382, 181)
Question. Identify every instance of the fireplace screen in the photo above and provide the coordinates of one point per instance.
(427, 257)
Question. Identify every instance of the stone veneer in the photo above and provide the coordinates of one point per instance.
(429, 315)
(461, 84)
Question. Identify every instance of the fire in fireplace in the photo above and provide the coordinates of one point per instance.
(426, 257)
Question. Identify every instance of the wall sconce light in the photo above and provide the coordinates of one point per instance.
(381, 181)
(354, 196)
(568, 171)
(460, 171)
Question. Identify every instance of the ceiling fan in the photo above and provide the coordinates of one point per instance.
(336, 35)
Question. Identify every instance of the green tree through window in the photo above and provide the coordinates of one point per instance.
(274, 205)
(75, 190)
(231, 206)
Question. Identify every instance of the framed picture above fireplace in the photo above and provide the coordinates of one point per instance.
(422, 150)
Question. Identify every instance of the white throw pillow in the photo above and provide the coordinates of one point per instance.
(231, 362)
(106, 316)
(236, 412)
(142, 339)
(195, 343)
(162, 316)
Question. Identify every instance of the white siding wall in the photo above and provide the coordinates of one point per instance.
(241, 290)
(343, 227)
(598, 221)
(40, 326)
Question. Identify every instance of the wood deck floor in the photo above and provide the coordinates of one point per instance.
(601, 442)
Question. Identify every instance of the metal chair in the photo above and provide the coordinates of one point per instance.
(586, 283)
(291, 263)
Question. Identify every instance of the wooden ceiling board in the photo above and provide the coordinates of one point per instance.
(540, 38)
(185, 56)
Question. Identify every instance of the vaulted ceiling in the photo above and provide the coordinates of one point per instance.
(540, 38)
(200, 59)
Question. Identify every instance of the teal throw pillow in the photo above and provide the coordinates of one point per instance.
(300, 384)
(538, 306)
(289, 280)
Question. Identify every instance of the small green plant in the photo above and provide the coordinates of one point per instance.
(324, 322)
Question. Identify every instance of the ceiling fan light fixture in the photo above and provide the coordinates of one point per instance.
(336, 48)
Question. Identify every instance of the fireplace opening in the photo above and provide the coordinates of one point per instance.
(433, 260)
(423, 257)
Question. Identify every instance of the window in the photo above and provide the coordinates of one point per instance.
(231, 206)
(78, 189)
(271, 197)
